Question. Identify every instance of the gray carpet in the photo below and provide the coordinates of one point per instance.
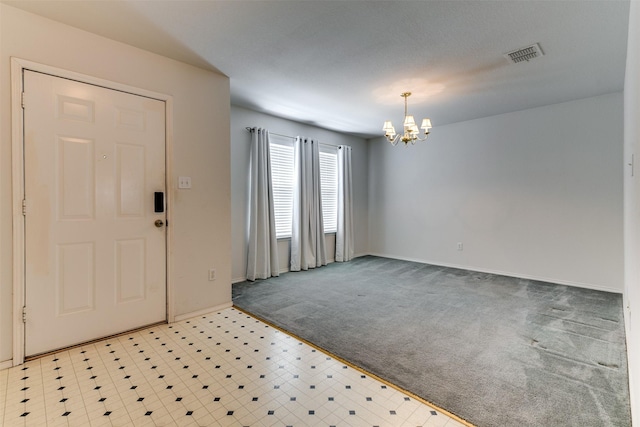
(494, 350)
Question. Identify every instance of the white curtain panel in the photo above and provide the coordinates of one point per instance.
(344, 236)
(307, 230)
(262, 257)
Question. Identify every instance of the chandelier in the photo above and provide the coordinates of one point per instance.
(411, 133)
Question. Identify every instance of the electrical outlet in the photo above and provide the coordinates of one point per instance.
(184, 182)
(459, 246)
(212, 274)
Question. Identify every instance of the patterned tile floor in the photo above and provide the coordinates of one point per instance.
(221, 369)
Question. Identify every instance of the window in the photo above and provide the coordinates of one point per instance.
(329, 188)
(282, 181)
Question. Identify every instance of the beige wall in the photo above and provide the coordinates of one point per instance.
(201, 216)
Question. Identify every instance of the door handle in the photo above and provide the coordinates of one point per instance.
(159, 223)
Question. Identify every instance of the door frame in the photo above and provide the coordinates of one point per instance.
(18, 65)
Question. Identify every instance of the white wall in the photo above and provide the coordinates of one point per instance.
(632, 206)
(533, 194)
(240, 155)
(201, 216)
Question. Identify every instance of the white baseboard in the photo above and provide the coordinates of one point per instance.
(470, 268)
(6, 364)
(203, 311)
(504, 273)
(283, 270)
(287, 269)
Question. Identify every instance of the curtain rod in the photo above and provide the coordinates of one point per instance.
(293, 137)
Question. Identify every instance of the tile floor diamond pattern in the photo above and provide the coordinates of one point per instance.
(221, 369)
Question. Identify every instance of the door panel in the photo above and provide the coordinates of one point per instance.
(130, 270)
(75, 180)
(95, 262)
(130, 180)
(75, 281)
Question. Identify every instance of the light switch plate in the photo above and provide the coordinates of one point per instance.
(184, 182)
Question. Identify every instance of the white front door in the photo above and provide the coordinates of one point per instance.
(95, 259)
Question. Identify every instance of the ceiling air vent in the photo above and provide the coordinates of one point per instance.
(524, 54)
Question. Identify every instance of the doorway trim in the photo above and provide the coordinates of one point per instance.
(18, 186)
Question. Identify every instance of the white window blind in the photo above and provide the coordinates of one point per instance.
(282, 181)
(329, 188)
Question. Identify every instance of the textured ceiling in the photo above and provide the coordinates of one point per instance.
(343, 64)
